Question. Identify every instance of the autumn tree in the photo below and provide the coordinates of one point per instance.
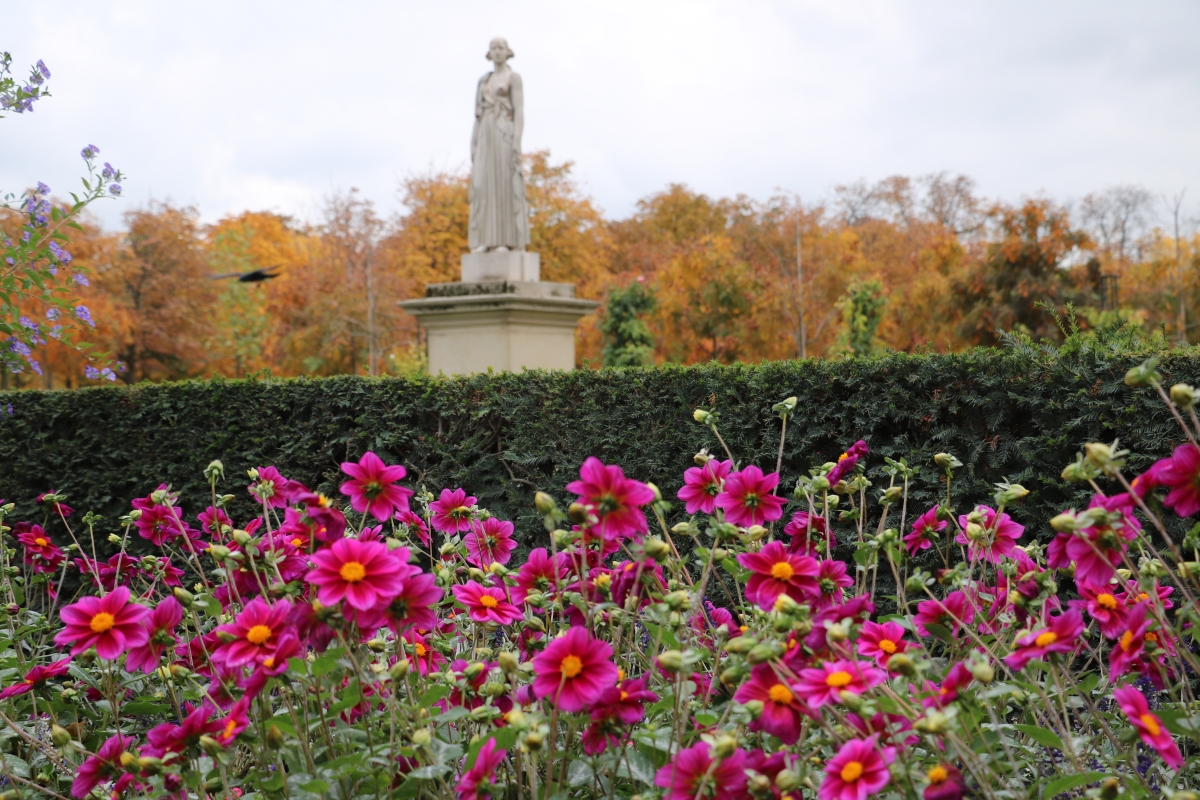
(627, 338)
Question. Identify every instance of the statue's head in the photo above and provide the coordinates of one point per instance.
(499, 51)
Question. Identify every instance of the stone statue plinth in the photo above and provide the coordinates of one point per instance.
(501, 265)
(501, 325)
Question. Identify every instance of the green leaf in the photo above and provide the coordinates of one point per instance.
(431, 696)
(706, 719)
(316, 786)
(641, 768)
(432, 771)
(940, 632)
(143, 708)
(1066, 782)
(327, 662)
(503, 737)
(1040, 735)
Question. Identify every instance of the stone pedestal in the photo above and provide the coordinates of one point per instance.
(502, 324)
(501, 265)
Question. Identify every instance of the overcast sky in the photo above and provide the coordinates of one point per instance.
(273, 105)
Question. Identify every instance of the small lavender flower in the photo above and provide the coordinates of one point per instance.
(121, 367)
(108, 374)
(80, 279)
(26, 322)
(85, 315)
(90, 152)
(43, 188)
(108, 173)
(42, 68)
(115, 189)
(91, 373)
(35, 366)
(19, 347)
(25, 235)
(52, 314)
(55, 332)
(10, 261)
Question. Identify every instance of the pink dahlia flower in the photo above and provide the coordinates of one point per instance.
(618, 706)
(539, 573)
(881, 641)
(783, 711)
(1099, 551)
(820, 686)
(859, 770)
(412, 608)
(112, 624)
(777, 572)
(998, 539)
(40, 552)
(1060, 636)
(748, 499)
(1129, 652)
(415, 525)
(945, 693)
(803, 528)
(490, 542)
(215, 522)
(847, 461)
(105, 764)
(616, 500)
(574, 670)
(372, 487)
(1181, 474)
(922, 528)
(486, 603)
(1148, 726)
(951, 612)
(257, 630)
(831, 581)
(270, 488)
(692, 774)
(945, 783)
(364, 574)
(1102, 605)
(160, 629)
(36, 677)
(701, 485)
(476, 783)
(452, 512)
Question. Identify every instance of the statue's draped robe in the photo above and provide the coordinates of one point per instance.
(499, 217)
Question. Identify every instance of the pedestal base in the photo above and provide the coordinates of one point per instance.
(500, 325)
(501, 265)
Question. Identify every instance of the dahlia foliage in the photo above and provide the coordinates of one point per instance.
(400, 644)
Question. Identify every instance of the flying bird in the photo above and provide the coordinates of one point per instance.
(257, 276)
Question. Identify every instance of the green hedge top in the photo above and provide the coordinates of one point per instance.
(503, 436)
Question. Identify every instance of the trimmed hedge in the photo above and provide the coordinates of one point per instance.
(503, 436)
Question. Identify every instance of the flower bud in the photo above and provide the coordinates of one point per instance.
(577, 513)
(377, 645)
(12, 609)
(219, 552)
(400, 669)
(984, 672)
(1063, 523)
(677, 600)
(1145, 374)
(544, 503)
(656, 549)
(702, 416)
(533, 623)
(421, 737)
(275, 737)
(60, 736)
(1098, 454)
(671, 660)
(534, 741)
(731, 675)
(755, 532)
(786, 407)
(656, 490)
(851, 701)
(493, 689)
(114, 539)
(754, 708)
(976, 517)
(179, 671)
(160, 496)
(1111, 787)
(127, 759)
(740, 645)
(759, 786)
(892, 494)
(946, 461)
(902, 665)
(975, 532)
(1013, 492)
(820, 484)
(787, 780)
(701, 458)
(724, 747)
(474, 670)
(242, 537)
(841, 487)
(837, 632)
(764, 652)
(1183, 395)
(934, 722)
(508, 661)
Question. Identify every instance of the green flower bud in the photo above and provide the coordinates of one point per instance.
(534, 741)
(214, 470)
(508, 661)
(1145, 374)
(1183, 395)
(577, 513)
(702, 416)
(400, 669)
(150, 765)
(275, 737)
(544, 503)
(474, 670)
(1063, 523)
(740, 645)
(755, 532)
(724, 746)
(984, 672)
(671, 660)
(764, 652)
(902, 665)
(754, 708)
(421, 737)
(892, 494)
(210, 745)
(677, 600)
(60, 736)
(787, 780)
(656, 549)
(946, 461)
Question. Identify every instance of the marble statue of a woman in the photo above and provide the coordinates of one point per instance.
(499, 218)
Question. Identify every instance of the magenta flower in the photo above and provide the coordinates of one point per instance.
(782, 712)
(1098, 551)
(271, 488)
(215, 522)
(36, 677)
(803, 528)
(1149, 727)
(486, 603)
(942, 695)
(998, 539)
(415, 525)
(956, 609)
(748, 499)
(701, 485)
(372, 487)
(160, 630)
(778, 572)
(1129, 652)
(847, 461)
(539, 574)
(574, 670)
(236, 721)
(1060, 636)
(881, 641)
(476, 783)
(452, 512)
(923, 526)
(618, 706)
(112, 624)
(692, 774)
(820, 686)
(40, 552)
(412, 608)
(615, 499)
(1104, 607)
(831, 580)
(257, 630)
(945, 783)
(490, 542)
(859, 770)
(364, 574)
(102, 766)
(1181, 474)
(170, 738)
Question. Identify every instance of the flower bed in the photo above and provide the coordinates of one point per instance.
(395, 648)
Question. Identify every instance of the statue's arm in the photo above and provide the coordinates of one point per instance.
(518, 101)
(478, 114)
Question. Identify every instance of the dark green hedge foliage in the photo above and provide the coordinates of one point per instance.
(503, 436)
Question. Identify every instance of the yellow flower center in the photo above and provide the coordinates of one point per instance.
(571, 666)
(1143, 596)
(887, 646)
(620, 673)
(40, 542)
(258, 634)
(1151, 637)
(780, 694)
(843, 457)
(937, 775)
(487, 601)
(782, 571)
(229, 726)
(629, 566)
(839, 679)
(102, 622)
(297, 542)
(1045, 638)
(269, 662)
(1126, 640)
(352, 572)
(1151, 723)
(420, 650)
(852, 771)
(1106, 600)
(603, 581)
(461, 511)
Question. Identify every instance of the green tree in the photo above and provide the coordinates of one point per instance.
(862, 311)
(627, 339)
